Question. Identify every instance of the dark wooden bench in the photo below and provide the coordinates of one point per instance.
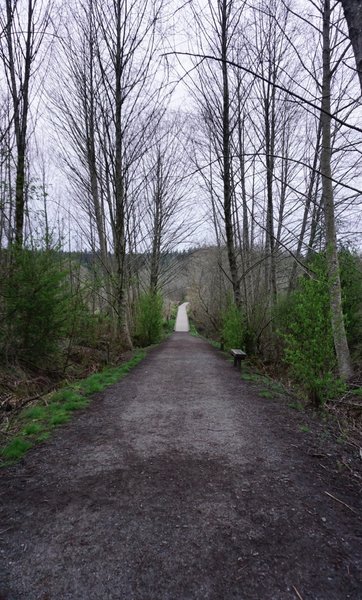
(238, 355)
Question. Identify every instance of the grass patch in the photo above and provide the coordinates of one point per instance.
(94, 383)
(193, 331)
(249, 376)
(32, 429)
(266, 394)
(15, 449)
(75, 404)
(45, 435)
(277, 388)
(296, 406)
(304, 429)
(271, 387)
(65, 395)
(34, 424)
(214, 343)
(36, 413)
(59, 418)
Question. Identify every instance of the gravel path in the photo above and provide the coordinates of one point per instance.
(182, 320)
(179, 483)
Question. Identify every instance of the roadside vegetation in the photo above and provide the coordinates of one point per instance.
(294, 343)
(35, 423)
(57, 347)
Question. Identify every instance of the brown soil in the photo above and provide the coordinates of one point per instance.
(182, 483)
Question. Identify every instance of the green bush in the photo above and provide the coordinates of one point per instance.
(36, 304)
(351, 282)
(232, 331)
(85, 328)
(169, 326)
(149, 319)
(304, 323)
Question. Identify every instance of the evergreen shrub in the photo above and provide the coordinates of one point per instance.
(37, 304)
(304, 324)
(351, 282)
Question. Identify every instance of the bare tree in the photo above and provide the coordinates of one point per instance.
(126, 63)
(218, 25)
(25, 28)
(109, 111)
(76, 114)
(166, 219)
(226, 27)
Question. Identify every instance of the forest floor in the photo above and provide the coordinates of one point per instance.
(183, 482)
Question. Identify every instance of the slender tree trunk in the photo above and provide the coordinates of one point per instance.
(120, 213)
(284, 179)
(313, 184)
(270, 239)
(269, 124)
(241, 135)
(157, 227)
(339, 332)
(20, 100)
(90, 115)
(316, 225)
(229, 230)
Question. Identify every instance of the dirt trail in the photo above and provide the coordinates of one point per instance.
(179, 483)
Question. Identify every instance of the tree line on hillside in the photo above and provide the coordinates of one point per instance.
(263, 162)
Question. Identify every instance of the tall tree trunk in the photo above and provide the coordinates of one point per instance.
(90, 115)
(20, 100)
(269, 125)
(241, 142)
(339, 332)
(353, 13)
(284, 178)
(157, 227)
(311, 192)
(229, 230)
(120, 213)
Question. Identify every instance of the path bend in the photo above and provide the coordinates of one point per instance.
(182, 319)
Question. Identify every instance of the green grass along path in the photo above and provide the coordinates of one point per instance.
(37, 422)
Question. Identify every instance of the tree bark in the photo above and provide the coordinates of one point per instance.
(241, 152)
(353, 14)
(269, 228)
(229, 230)
(120, 212)
(20, 100)
(157, 226)
(90, 116)
(338, 327)
(311, 192)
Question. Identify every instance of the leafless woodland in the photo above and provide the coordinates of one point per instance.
(204, 150)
